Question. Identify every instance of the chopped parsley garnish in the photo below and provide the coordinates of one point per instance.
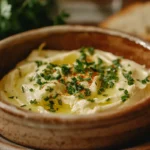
(87, 79)
(39, 82)
(51, 106)
(121, 89)
(129, 78)
(125, 96)
(33, 101)
(91, 100)
(46, 98)
(45, 76)
(100, 61)
(74, 87)
(11, 97)
(79, 67)
(59, 101)
(71, 90)
(80, 78)
(62, 81)
(116, 62)
(65, 70)
(81, 96)
(20, 73)
(105, 94)
(91, 50)
(31, 79)
(108, 99)
(23, 105)
(23, 89)
(55, 96)
(87, 92)
(38, 63)
(49, 89)
(31, 90)
(146, 80)
(58, 76)
(108, 78)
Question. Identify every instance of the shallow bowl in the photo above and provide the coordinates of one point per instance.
(117, 129)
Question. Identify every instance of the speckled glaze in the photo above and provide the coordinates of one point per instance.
(114, 129)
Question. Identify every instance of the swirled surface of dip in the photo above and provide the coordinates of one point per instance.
(82, 81)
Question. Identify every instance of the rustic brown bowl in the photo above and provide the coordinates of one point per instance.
(101, 130)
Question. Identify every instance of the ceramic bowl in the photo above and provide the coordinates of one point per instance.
(102, 130)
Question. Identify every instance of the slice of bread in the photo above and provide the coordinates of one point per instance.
(133, 19)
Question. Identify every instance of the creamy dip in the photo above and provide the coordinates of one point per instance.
(82, 81)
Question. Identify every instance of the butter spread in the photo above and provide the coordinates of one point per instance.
(83, 81)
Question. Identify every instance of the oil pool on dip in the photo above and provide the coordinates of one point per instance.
(82, 81)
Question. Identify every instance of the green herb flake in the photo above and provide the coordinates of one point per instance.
(23, 89)
(121, 89)
(45, 76)
(129, 78)
(65, 70)
(55, 96)
(23, 105)
(31, 79)
(58, 76)
(33, 101)
(129, 65)
(39, 82)
(144, 81)
(91, 50)
(62, 81)
(51, 106)
(59, 101)
(87, 92)
(49, 89)
(117, 62)
(46, 98)
(19, 71)
(71, 90)
(38, 63)
(108, 99)
(88, 79)
(125, 96)
(11, 97)
(31, 90)
(80, 78)
(79, 67)
(100, 61)
(91, 100)
(105, 94)
(81, 96)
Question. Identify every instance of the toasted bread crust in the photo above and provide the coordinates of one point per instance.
(127, 10)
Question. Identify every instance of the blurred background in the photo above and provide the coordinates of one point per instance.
(21, 15)
(92, 11)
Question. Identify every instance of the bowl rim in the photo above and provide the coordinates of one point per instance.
(68, 118)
